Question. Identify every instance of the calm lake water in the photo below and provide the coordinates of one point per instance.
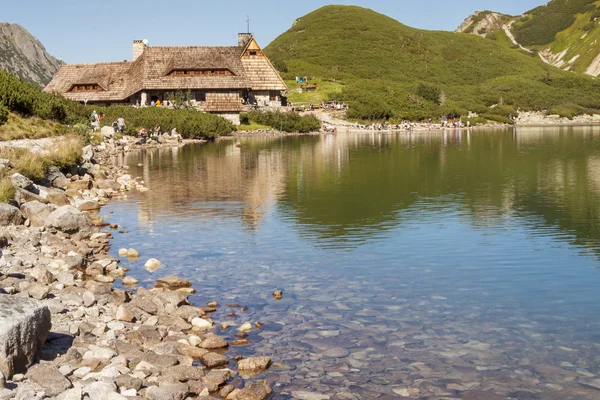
(435, 265)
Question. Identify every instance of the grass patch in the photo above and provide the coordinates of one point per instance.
(326, 91)
(286, 121)
(252, 126)
(18, 127)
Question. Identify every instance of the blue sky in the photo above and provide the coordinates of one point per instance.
(91, 31)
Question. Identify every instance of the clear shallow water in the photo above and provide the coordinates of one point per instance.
(438, 266)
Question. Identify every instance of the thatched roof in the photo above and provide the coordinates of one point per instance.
(153, 71)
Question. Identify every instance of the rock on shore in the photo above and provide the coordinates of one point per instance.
(105, 343)
(24, 325)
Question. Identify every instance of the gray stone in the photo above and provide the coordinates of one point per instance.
(125, 382)
(103, 391)
(24, 325)
(49, 378)
(87, 153)
(36, 212)
(68, 219)
(212, 341)
(71, 394)
(214, 360)
(21, 181)
(38, 291)
(160, 361)
(176, 391)
(10, 215)
(309, 395)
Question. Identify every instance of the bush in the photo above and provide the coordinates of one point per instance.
(3, 114)
(191, 124)
(287, 121)
(430, 93)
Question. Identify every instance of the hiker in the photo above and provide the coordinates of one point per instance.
(95, 121)
(115, 126)
(143, 136)
(121, 123)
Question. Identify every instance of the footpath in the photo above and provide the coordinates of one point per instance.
(67, 333)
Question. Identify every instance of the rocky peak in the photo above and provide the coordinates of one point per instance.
(483, 22)
(23, 55)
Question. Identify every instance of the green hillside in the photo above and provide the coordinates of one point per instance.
(389, 70)
(541, 25)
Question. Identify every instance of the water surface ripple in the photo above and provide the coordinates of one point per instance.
(456, 265)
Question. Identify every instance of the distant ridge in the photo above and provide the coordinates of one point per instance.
(565, 33)
(23, 55)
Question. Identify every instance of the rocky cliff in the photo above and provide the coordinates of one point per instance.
(24, 56)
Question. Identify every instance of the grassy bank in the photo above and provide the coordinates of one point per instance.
(18, 127)
(290, 122)
(64, 154)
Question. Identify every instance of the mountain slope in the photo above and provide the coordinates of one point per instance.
(24, 56)
(391, 70)
(566, 33)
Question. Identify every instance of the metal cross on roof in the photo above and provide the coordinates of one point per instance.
(248, 22)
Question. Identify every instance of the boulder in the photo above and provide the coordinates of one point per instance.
(255, 391)
(21, 181)
(212, 341)
(214, 360)
(152, 265)
(177, 391)
(36, 212)
(107, 131)
(49, 379)
(24, 325)
(10, 215)
(55, 178)
(87, 153)
(254, 364)
(57, 197)
(81, 184)
(68, 219)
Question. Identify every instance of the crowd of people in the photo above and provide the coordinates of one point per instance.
(146, 136)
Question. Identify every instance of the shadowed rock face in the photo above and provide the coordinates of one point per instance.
(24, 56)
(24, 325)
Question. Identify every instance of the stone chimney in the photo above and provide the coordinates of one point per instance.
(138, 48)
(243, 39)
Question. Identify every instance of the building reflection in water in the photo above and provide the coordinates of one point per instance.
(349, 186)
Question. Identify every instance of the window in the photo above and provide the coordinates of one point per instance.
(273, 95)
(254, 53)
(200, 96)
(202, 72)
(86, 88)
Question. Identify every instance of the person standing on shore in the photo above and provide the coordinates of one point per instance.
(121, 123)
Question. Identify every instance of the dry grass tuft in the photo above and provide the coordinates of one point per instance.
(65, 154)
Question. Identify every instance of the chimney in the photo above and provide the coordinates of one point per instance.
(243, 39)
(138, 48)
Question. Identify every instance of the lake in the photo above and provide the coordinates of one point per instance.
(434, 265)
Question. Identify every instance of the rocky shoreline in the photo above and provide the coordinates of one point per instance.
(104, 342)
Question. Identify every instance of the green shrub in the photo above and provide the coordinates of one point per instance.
(190, 124)
(430, 93)
(3, 114)
(286, 121)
